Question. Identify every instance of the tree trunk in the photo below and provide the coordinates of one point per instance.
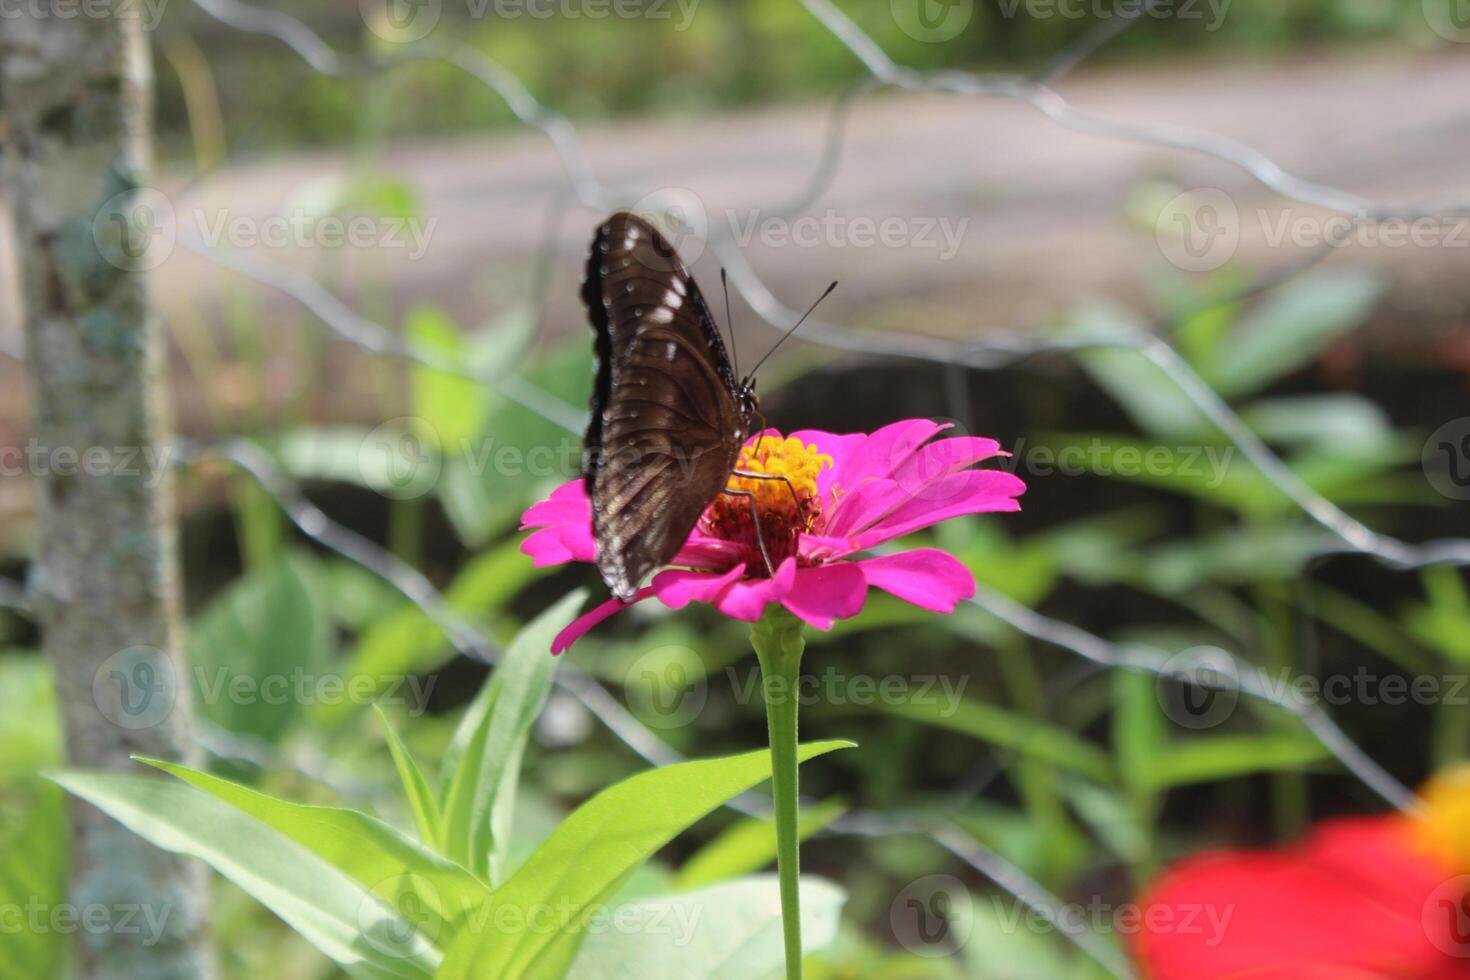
(76, 91)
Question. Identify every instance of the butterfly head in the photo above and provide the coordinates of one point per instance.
(747, 401)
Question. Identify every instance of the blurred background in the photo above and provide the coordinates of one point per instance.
(340, 179)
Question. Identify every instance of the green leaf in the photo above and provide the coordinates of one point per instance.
(527, 453)
(30, 727)
(1003, 942)
(1151, 398)
(33, 866)
(1209, 758)
(1269, 552)
(747, 846)
(255, 646)
(1292, 325)
(1008, 729)
(421, 799)
(450, 405)
(481, 795)
(1344, 423)
(356, 928)
(361, 846)
(729, 932)
(1444, 622)
(585, 860)
(361, 457)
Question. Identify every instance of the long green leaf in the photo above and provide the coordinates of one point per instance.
(589, 855)
(728, 932)
(421, 799)
(345, 921)
(360, 846)
(481, 797)
(1214, 757)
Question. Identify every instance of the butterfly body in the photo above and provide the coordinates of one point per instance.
(668, 417)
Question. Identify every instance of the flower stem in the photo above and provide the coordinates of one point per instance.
(778, 643)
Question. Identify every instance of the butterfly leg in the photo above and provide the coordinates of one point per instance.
(744, 475)
(760, 535)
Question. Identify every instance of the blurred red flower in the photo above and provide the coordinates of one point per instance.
(1368, 898)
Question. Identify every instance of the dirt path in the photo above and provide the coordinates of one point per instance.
(1034, 213)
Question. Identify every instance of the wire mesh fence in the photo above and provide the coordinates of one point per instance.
(1217, 669)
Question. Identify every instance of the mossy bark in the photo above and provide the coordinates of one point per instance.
(75, 91)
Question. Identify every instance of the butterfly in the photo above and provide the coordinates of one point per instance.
(668, 415)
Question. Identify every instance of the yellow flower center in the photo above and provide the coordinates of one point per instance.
(784, 497)
(1443, 824)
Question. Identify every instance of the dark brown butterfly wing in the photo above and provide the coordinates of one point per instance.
(665, 427)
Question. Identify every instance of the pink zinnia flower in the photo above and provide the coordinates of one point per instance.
(853, 492)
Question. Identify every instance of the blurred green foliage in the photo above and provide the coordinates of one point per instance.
(727, 53)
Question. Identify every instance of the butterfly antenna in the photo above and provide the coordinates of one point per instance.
(729, 323)
(787, 334)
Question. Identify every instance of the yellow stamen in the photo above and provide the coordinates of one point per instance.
(1443, 824)
(787, 505)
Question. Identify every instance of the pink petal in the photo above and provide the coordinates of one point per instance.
(817, 548)
(558, 545)
(827, 593)
(927, 577)
(943, 457)
(568, 504)
(746, 599)
(957, 495)
(703, 551)
(579, 626)
(677, 588)
(883, 452)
